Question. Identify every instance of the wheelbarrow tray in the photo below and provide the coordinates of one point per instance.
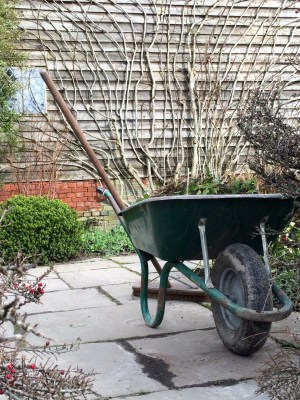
(167, 227)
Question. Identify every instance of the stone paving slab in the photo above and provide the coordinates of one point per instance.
(69, 300)
(52, 281)
(122, 292)
(117, 372)
(38, 271)
(87, 265)
(200, 357)
(126, 259)
(117, 322)
(134, 259)
(54, 285)
(287, 330)
(240, 391)
(136, 267)
(109, 276)
(174, 278)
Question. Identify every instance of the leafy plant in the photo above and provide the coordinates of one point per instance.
(10, 55)
(287, 280)
(8, 116)
(288, 246)
(10, 33)
(106, 243)
(211, 185)
(245, 186)
(285, 256)
(44, 230)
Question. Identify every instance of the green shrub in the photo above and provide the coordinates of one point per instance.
(285, 258)
(112, 242)
(8, 116)
(10, 56)
(42, 229)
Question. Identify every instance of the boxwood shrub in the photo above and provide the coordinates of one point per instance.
(44, 230)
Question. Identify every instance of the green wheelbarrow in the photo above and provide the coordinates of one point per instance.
(232, 230)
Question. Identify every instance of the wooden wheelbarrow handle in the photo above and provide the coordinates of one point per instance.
(87, 147)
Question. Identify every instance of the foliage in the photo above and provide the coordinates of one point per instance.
(44, 229)
(106, 243)
(10, 34)
(285, 261)
(8, 116)
(288, 247)
(246, 186)
(211, 185)
(10, 55)
(288, 282)
(26, 372)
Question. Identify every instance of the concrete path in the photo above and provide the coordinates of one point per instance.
(183, 359)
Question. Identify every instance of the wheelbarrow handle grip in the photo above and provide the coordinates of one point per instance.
(101, 190)
(105, 192)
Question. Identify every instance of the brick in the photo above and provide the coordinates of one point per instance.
(71, 201)
(92, 207)
(104, 213)
(87, 184)
(13, 186)
(84, 199)
(72, 184)
(63, 190)
(95, 213)
(92, 189)
(94, 201)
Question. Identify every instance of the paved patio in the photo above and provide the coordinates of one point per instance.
(183, 359)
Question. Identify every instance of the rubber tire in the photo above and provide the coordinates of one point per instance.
(249, 275)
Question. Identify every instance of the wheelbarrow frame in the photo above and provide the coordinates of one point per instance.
(205, 284)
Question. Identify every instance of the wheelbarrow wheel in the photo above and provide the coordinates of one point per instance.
(240, 274)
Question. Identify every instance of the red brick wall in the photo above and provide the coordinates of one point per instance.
(80, 195)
